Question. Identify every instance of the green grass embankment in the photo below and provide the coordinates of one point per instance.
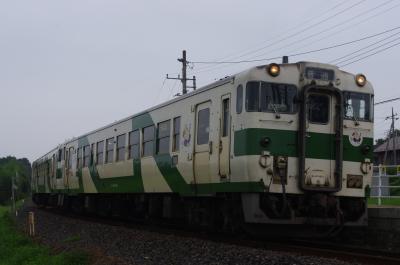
(18, 249)
(384, 201)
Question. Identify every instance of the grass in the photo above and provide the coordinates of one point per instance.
(394, 182)
(385, 201)
(17, 249)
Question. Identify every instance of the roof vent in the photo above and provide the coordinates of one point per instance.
(285, 59)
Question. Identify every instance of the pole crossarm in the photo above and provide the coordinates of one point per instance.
(184, 78)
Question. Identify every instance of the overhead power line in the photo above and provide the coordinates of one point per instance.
(366, 52)
(341, 30)
(379, 51)
(206, 69)
(363, 48)
(305, 29)
(300, 25)
(386, 101)
(327, 29)
(301, 53)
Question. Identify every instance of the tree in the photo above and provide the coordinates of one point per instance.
(8, 167)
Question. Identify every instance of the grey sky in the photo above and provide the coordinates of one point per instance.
(68, 67)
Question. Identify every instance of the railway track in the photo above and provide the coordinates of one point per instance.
(303, 247)
(341, 252)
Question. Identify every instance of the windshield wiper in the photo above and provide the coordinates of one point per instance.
(352, 116)
(277, 115)
(356, 122)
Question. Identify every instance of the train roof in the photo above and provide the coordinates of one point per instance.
(215, 84)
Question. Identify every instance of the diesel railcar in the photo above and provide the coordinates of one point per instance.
(283, 144)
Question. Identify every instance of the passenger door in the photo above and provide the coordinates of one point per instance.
(67, 161)
(202, 144)
(224, 137)
(60, 168)
(322, 142)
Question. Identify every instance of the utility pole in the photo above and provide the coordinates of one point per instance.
(184, 65)
(391, 136)
(184, 78)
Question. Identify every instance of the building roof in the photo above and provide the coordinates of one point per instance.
(382, 147)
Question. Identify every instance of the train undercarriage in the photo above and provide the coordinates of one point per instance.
(221, 212)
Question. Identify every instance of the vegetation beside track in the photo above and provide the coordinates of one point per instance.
(9, 166)
(384, 201)
(18, 249)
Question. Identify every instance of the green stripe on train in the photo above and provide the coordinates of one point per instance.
(170, 173)
(284, 142)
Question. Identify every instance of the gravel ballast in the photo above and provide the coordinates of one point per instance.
(111, 244)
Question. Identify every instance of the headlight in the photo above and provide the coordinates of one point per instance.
(274, 69)
(361, 80)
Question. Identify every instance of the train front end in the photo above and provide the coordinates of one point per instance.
(307, 134)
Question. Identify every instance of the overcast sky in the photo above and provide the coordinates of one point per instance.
(68, 67)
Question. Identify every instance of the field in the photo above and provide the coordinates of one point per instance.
(18, 249)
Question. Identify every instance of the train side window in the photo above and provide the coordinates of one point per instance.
(176, 136)
(86, 155)
(318, 109)
(134, 139)
(92, 155)
(239, 99)
(109, 150)
(59, 157)
(79, 158)
(163, 136)
(121, 147)
(99, 153)
(148, 141)
(203, 126)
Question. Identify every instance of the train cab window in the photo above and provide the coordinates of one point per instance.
(252, 96)
(357, 106)
(278, 98)
(203, 126)
(86, 155)
(318, 109)
(271, 97)
(99, 153)
(134, 139)
(239, 99)
(163, 136)
(79, 158)
(109, 150)
(176, 136)
(148, 141)
(121, 147)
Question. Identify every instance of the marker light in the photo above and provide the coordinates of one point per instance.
(361, 80)
(274, 69)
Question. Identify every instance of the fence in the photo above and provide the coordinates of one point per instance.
(385, 182)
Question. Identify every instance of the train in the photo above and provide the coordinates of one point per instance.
(277, 144)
